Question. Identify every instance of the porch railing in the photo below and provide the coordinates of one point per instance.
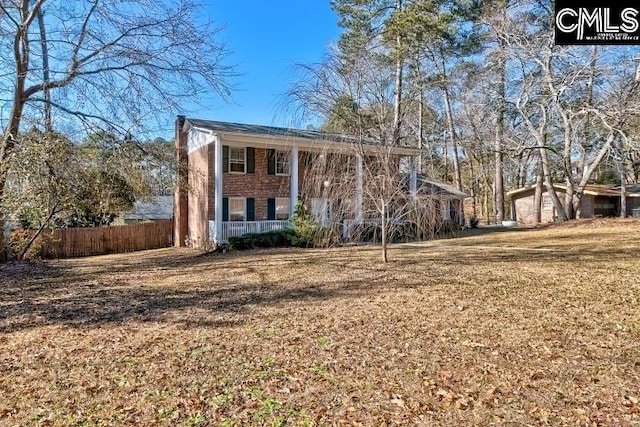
(238, 228)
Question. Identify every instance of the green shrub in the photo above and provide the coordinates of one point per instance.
(269, 239)
(308, 233)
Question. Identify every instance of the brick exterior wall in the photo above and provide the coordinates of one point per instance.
(200, 195)
(525, 212)
(259, 185)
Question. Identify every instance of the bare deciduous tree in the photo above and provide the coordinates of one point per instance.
(367, 189)
(102, 63)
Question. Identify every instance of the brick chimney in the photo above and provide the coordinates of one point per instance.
(181, 199)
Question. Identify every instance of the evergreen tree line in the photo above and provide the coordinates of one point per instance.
(483, 91)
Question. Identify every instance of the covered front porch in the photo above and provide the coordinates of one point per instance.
(220, 231)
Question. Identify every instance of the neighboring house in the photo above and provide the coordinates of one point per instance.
(598, 200)
(236, 179)
(154, 209)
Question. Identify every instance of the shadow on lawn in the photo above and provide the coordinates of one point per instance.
(33, 295)
(87, 294)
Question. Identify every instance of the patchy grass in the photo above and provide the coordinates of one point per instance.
(526, 327)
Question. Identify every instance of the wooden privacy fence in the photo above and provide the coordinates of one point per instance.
(77, 242)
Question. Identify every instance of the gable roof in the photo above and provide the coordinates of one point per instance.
(440, 188)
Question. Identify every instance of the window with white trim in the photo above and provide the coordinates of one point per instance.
(446, 209)
(237, 209)
(237, 160)
(282, 208)
(282, 163)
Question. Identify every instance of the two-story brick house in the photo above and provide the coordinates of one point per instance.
(236, 179)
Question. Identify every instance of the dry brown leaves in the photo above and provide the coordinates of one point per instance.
(533, 327)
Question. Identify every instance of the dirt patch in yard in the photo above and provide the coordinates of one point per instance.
(459, 332)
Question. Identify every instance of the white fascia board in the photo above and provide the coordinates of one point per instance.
(242, 139)
(521, 190)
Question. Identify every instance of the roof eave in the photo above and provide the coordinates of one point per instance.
(291, 141)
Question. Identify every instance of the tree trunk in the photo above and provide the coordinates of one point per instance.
(629, 173)
(445, 158)
(9, 138)
(586, 134)
(523, 161)
(420, 130)
(487, 186)
(452, 137)
(557, 204)
(474, 189)
(498, 144)
(37, 234)
(537, 198)
(383, 226)
(398, 90)
(623, 191)
(568, 199)
(45, 72)
(450, 127)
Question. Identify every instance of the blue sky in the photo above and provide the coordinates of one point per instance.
(266, 39)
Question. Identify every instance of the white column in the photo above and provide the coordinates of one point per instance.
(413, 177)
(293, 175)
(217, 236)
(358, 201)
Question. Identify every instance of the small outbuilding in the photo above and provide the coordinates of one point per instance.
(599, 200)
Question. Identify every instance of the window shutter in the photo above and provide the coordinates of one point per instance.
(225, 158)
(307, 159)
(271, 209)
(271, 162)
(251, 160)
(225, 209)
(251, 209)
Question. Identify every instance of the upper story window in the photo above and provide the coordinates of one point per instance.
(237, 160)
(282, 163)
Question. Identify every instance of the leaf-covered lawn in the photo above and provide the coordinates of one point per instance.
(538, 327)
